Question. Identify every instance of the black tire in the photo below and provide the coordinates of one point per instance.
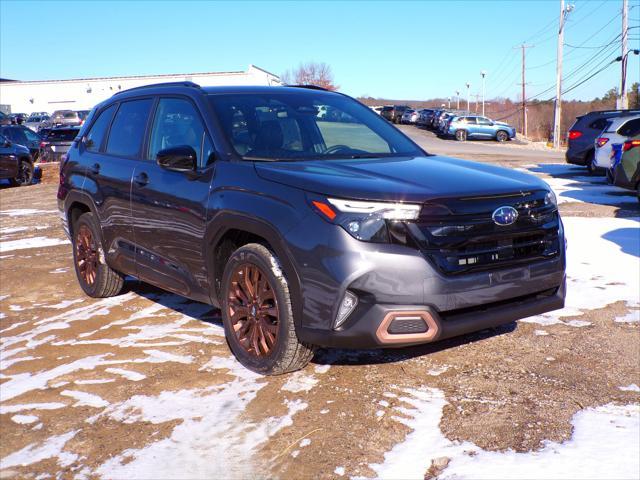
(502, 136)
(287, 353)
(106, 281)
(25, 174)
(590, 164)
(461, 135)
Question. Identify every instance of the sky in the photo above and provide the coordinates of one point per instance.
(387, 49)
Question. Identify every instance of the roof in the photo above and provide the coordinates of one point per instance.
(138, 77)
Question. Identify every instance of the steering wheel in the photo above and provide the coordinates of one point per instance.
(336, 149)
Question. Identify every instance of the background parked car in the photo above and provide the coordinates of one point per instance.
(423, 117)
(16, 164)
(57, 142)
(618, 130)
(66, 118)
(18, 118)
(583, 133)
(4, 119)
(377, 109)
(394, 114)
(21, 135)
(477, 127)
(35, 122)
(410, 116)
(625, 170)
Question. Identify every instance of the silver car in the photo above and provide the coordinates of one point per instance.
(66, 118)
(36, 122)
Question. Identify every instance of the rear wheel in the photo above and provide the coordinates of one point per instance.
(95, 277)
(25, 174)
(502, 136)
(461, 135)
(257, 314)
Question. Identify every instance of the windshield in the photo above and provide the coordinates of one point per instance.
(306, 125)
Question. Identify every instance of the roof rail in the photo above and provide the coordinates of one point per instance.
(310, 87)
(166, 84)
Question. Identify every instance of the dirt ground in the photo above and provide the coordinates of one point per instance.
(143, 385)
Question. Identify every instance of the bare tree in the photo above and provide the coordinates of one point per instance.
(311, 73)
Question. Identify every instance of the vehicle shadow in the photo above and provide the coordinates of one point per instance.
(628, 239)
(323, 356)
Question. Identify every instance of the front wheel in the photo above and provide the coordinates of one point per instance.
(461, 135)
(502, 136)
(257, 314)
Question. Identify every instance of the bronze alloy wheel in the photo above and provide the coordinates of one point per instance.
(86, 255)
(253, 310)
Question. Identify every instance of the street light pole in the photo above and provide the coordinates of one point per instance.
(483, 74)
(457, 99)
(557, 126)
(623, 100)
(449, 100)
(468, 96)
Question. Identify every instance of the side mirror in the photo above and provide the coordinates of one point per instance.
(181, 158)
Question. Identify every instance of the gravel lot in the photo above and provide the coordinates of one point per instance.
(143, 385)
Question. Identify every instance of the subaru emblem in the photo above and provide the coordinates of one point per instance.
(505, 216)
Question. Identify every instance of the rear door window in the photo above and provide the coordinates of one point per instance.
(98, 132)
(127, 129)
(630, 129)
(599, 124)
(31, 136)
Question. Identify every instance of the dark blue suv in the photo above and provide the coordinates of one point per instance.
(305, 231)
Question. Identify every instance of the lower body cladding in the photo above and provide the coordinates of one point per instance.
(393, 296)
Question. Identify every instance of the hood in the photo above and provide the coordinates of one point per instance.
(414, 179)
(502, 123)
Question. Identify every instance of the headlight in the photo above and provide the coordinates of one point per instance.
(550, 199)
(366, 221)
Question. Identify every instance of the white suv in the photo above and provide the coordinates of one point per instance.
(619, 130)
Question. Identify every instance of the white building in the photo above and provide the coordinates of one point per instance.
(84, 93)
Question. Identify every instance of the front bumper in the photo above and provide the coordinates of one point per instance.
(389, 278)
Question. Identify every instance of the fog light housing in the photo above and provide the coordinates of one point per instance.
(347, 306)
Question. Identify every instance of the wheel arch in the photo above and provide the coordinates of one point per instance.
(76, 204)
(230, 231)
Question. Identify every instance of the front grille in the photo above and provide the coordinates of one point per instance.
(467, 239)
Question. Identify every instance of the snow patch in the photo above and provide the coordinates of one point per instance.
(24, 419)
(299, 382)
(339, 471)
(603, 266)
(631, 388)
(33, 453)
(85, 399)
(632, 317)
(128, 374)
(599, 435)
(33, 242)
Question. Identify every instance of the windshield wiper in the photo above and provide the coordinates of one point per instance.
(262, 159)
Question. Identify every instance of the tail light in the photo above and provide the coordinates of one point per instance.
(602, 141)
(573, 134)
(629, 144)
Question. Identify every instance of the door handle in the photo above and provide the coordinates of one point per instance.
(95, 168)
(141, 179)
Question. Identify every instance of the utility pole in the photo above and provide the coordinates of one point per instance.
(623, 103)
(477, 97)
(557, 125)
(524, 90)
(483, 74)
(468, 96)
